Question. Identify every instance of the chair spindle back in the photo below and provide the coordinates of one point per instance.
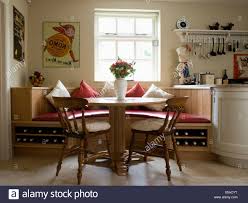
(173, 109)
(67, 108)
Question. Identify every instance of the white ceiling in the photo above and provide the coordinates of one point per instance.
(236, 2)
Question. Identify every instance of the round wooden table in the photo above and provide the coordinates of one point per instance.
(117, 120)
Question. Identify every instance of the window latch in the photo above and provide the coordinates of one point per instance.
(108, 33)
(155, 43)
(141, 34)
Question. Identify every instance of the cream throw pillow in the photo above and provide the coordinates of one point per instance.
(108, 90)
(59, 91)
(156, 92)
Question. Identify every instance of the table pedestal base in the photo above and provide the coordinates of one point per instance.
(118, 140)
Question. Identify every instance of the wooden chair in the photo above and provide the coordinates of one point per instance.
(160, 128)
(79, 129)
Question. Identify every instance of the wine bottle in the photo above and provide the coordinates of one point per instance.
(194, 143)
(45, 141)
(186, 143)
(178, 143)
(203, 143)
(225, 78)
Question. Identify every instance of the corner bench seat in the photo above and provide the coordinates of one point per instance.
(184, 117)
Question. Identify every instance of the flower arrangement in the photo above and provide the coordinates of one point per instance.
(36, 79)
(122, 69)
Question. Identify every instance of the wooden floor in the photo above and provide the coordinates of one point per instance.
(41, 171)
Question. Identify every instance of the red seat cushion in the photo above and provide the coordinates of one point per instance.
(85, 91)
(136, 91)
(184, 117)
(78, 114)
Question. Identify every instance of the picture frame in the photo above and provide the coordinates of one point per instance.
(18, 35)
(240, 66)
(61, 45)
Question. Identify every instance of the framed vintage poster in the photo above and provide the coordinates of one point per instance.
(240, 66)
(19, 33)
(61, 44)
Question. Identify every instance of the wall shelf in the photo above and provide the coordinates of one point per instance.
(184, 33)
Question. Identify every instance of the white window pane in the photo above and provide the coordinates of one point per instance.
(102, 72)
(107, 50)
(144, 26)
(144, 50)
(125, 25)
(144, 71)
(126, 50)
(131, 40)
(107, 25)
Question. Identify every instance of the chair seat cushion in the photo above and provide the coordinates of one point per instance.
(93, 126)
(184, 117)
(151, 124)
(96, 126)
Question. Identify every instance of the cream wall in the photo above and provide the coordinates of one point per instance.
(18, 71)
(200, 15)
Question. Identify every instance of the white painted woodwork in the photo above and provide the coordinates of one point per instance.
(230, 124)
(5, 132)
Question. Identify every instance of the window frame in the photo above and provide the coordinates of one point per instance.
(154, 37)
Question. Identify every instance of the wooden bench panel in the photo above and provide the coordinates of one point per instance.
(28, 103)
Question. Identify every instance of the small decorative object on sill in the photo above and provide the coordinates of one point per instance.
(36, 79)
(215, 26)
(121, 69)
(228, 27)
(184, 66)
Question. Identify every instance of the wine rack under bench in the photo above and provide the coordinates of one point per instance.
(189, 137)
(41, 136)
(197, 137)
(37, 135)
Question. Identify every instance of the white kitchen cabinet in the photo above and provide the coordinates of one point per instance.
(230, 124)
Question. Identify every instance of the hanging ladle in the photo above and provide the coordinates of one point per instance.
(208, 48)
(219, 52)
(212, 53)
(223, 50)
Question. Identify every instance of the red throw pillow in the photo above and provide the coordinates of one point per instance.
(85, 91)
(136, 91)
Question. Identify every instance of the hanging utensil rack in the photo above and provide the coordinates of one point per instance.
(230, 34)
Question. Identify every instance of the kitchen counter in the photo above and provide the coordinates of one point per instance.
(229, 87)
(200, 87)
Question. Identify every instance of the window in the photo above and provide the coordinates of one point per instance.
(132, 36)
